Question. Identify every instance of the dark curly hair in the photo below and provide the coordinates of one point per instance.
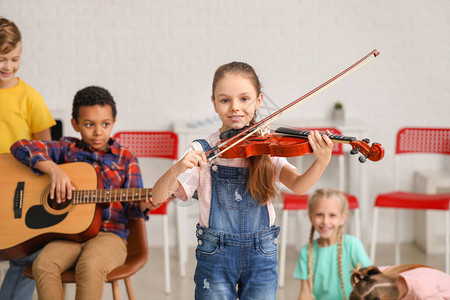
(90, 96)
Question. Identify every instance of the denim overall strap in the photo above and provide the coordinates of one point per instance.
(205, 145)
(233, 209)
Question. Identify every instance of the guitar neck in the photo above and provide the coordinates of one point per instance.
(304, 134)
(110, 195)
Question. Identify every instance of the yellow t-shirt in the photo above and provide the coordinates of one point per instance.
(22, 113)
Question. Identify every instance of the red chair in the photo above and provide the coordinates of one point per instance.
(413, 141)
(293, 202)
(154, 144)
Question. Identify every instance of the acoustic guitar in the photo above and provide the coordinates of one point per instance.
(29, 218)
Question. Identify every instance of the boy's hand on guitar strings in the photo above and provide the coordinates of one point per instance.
(60, 186)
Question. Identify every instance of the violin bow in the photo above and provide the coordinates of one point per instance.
(263, 124)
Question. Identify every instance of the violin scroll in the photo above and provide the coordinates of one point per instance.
(373, 153)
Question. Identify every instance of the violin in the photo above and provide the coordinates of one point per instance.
(291, 142)
(266, 142)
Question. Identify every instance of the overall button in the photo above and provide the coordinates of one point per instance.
(200, 232)
(275, 241)
(214, 168)
(200, 242)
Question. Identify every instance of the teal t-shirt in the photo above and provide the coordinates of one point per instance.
(326, 272)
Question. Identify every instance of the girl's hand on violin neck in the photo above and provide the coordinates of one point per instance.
(322, 147)
(191, 160)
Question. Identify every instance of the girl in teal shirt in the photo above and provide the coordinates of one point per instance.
(324, 266)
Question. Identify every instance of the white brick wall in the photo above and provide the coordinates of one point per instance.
(158, 58)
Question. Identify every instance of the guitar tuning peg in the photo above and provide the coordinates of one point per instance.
(367, 141)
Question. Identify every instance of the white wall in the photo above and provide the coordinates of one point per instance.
(158, 57)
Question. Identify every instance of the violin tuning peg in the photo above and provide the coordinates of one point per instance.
(354, 151)
(362, 159)
(367, 141)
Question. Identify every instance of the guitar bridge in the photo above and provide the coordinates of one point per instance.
(18, 199)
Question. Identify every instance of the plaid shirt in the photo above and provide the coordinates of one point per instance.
(116, 166)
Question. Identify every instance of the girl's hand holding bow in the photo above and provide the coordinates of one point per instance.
(191, 160)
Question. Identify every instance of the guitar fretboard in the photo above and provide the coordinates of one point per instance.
(110, 195)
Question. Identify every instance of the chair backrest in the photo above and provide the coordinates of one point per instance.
(137, 238)
(162, 144)
(156, 144)
(420, 140)
(352, 201)
(137, 249)
(423, 140)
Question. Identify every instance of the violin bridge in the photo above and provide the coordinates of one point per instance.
(264, 131)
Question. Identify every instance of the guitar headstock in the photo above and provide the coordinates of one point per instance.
(374, 152)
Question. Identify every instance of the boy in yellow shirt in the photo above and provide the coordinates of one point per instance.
(23, 115)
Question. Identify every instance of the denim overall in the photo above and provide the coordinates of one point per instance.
(237, 254)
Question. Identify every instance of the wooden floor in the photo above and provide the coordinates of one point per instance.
(148, 283)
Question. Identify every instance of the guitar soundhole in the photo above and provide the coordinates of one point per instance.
(57, 206)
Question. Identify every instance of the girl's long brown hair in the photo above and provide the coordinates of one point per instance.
(320, 194)
(260, 183)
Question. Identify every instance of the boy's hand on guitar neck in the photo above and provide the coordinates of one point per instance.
(148, 204)
(60, 185)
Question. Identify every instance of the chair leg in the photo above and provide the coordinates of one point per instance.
(284, 227)
(397, 237)
(182, 251)
(298, 225)
(357, 223)
(129, 287)
(65, 291)
(447, 242)
(115, 290)
(373, 244)
(166, 253)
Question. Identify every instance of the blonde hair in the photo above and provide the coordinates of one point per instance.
(370, 282)
(323, 194)
(9, 36)
(261, 173)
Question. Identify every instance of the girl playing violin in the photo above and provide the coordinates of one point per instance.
(237, 246)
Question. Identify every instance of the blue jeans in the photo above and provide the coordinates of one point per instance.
(224, 260)
(15, 285)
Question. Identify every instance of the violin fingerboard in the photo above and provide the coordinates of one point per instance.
(304, 134)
